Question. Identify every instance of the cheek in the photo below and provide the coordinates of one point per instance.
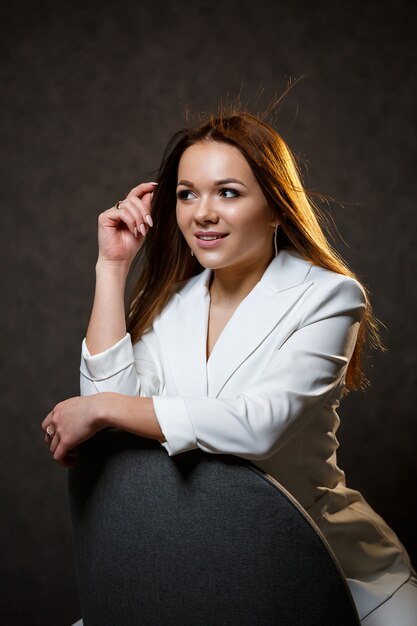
(255, 224)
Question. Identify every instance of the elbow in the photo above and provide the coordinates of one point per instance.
(267, 426)
(262, 443)
(261, 449)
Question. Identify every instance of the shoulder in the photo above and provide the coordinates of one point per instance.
(290, 269)
(324, 292)
(325, 278)
(334, 294)
(327, 281)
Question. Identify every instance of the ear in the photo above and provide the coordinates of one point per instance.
(276, 218)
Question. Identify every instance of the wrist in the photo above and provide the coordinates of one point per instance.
(117, 269)
(133, 414)
(105, 415)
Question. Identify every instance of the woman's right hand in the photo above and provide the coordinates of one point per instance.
(121, 231)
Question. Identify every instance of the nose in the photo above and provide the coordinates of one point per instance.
(204, 212)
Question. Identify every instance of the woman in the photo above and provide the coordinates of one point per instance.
(243, 332)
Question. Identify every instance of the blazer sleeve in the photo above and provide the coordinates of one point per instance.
(121, 369)
(300, 377)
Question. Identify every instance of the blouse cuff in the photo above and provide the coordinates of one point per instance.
(109, 362)
(175, 424)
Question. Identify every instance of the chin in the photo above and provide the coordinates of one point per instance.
(209, 265)
(212, 260)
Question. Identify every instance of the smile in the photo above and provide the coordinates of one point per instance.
(208, 240)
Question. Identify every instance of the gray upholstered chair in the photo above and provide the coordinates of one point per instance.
(195, 539)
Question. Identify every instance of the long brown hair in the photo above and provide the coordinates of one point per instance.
(165, 259)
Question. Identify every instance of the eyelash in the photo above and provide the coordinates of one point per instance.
(236, 193)
(182, 195)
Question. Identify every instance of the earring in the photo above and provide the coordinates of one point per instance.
(192, 253)
(275, 239)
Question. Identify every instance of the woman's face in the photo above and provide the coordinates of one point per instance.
(221, 210)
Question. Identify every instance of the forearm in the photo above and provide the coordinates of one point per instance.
(107, 323)
(77, 419)
(133, 414)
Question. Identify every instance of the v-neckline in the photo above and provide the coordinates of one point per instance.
(229, 321)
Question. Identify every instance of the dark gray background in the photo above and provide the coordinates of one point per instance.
(90, 94)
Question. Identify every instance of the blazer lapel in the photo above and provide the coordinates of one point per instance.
(280, 288)
(182, 329)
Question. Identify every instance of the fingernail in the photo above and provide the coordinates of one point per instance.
(154, 183)
(135, 232)
(142, 229)
(149, 220)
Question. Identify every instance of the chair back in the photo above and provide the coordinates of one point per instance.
(195, 539)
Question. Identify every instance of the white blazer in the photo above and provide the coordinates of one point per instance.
(268, 393)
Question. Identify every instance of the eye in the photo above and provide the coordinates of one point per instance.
(229, 193)
(184, 194)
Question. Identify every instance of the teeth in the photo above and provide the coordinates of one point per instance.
(208, 238)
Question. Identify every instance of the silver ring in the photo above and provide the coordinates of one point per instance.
(50, 433)
(117, 205)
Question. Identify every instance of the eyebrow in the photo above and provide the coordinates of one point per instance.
(223, 181)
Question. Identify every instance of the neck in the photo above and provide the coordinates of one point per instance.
(232, 285)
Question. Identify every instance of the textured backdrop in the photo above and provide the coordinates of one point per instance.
(90, 94)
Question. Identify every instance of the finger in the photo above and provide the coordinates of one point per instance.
(65, 462)
(141, 213)
(54, 443)
(126, 215)
(141, 189)
(46, 421)
(61, 452)
(146, 199)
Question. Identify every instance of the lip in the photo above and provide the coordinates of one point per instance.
(201, 243)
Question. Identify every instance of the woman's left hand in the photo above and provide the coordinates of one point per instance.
(70, 423)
